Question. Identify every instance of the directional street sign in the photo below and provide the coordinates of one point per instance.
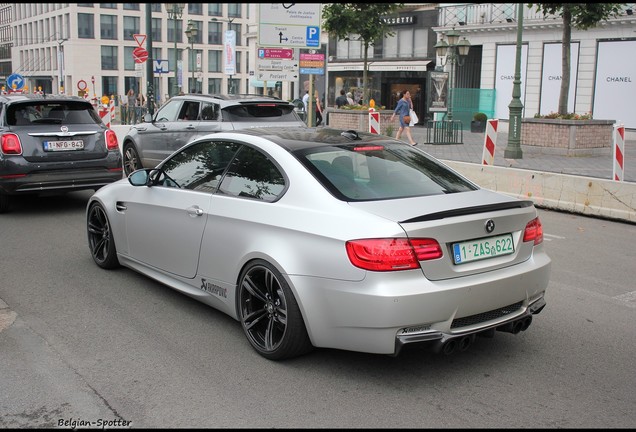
(295, 25)
(276, 65)
(15, 81)
(277, 76)
(275, 53)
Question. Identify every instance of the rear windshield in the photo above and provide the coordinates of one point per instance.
(380, 171)
(261, 112)
(51, 112)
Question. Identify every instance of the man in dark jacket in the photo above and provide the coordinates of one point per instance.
(342, 99)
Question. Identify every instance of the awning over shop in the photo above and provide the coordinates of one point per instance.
(381, 66)
(257, 83)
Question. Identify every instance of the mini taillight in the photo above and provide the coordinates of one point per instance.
(111, 140)
(391, 254)
(11, 144)
(533, 231)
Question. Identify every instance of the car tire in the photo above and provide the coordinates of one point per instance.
(269, 313)
(131, 159)
(100, 238)
(4, 203)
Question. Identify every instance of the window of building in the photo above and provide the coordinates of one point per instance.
(237, 29)
(109, 57)
(214, 9)
(352, 49)
(172, 32)
(238, 62)
(156, 29)
(85, 26)
(131, 27)
(234, 10)
(214, 85)
(108, 26)
(171, 58)
(131, 6)
(108, 5)
(109, 86)
(215, 35)
(129, 62)
(155, 7)
(214, 61)
(195, 8)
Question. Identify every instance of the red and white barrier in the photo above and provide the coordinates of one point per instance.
(619, 153)
(374, 122)
(104, 113)
(112, 110)
(490, 142)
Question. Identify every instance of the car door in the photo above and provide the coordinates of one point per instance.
(184, 129)
(165, 223)
(153, 137)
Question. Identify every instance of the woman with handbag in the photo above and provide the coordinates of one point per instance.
(402, 109)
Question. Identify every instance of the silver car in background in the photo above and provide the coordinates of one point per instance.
(326, 238)
(184, 118)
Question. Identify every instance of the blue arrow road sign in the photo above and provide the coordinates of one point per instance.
(17, 80)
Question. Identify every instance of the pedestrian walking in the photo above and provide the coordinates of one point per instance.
(318, 108)
(403, 109)
(130, 106)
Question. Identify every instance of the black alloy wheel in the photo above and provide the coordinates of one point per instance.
(100, 238)
(131, 159)
(269, 313)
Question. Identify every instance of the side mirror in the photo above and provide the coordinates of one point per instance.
(139, 177)
(148, 118)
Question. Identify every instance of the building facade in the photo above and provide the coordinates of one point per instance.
(70, 46)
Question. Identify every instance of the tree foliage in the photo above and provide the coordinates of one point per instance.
(361, 21)
(581, 16)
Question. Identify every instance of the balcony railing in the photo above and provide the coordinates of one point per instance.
(497, 13)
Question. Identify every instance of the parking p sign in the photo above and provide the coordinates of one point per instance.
(313, 36)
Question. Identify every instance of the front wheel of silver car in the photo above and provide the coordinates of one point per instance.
(100, 238)
(131, 159)
(269, 313)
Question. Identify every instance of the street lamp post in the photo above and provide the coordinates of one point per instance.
(453, 52)
(192, 32)
(230, 87)
(513, 149)
(60, 62)
(175, 11)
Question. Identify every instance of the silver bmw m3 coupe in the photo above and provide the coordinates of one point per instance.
(327, 238)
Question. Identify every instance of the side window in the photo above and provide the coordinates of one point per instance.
(253, 175)
(189, 111)
(169, 111)
(210, 111)
(200, 166)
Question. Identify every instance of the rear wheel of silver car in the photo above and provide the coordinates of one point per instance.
(269, 313)
(131, 159)
(100, 238)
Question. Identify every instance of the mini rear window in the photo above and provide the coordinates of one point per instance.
(51, 112)
(260, 112)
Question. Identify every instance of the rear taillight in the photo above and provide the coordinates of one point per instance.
(111, 140)
(533, 231)
(11, 144)
(391, 254)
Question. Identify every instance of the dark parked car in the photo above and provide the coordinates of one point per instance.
(184, 118)
(52, 144)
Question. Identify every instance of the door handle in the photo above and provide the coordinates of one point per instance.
(195, 211)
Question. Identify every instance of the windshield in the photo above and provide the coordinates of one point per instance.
(51, 112)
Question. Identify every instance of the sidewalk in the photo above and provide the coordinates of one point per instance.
(598, 164)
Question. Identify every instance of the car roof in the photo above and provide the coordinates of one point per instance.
(227, 100)
(13, 98)
(297, 138)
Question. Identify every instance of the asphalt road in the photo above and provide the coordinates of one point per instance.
(81, 346)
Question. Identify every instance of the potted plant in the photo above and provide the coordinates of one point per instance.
(478, 124)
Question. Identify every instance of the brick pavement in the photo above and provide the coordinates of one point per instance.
(598, 164)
